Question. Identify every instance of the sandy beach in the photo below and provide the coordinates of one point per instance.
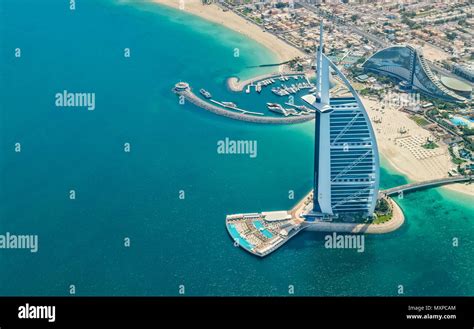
(234, 22)
(403, 152)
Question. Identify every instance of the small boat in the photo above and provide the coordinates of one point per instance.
(292, 112)
(229, 104)
(205, 93)
(279, 110)
(273, 105)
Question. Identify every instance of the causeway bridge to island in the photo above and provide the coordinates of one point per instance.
(426, 184)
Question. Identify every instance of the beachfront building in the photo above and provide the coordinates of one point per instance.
(457, 86)
(464, 72)
(408, 65)
(346, 161)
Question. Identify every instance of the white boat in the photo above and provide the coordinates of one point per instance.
(279, 110)
(205, 93)
(291, 111)
(229, 104)
(273, 105)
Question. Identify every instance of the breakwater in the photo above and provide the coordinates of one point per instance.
(194, 99)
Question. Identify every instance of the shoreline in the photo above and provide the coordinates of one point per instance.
(463, 188)
(393, 224)
(403, 152)
(213, 13)
(400, 160)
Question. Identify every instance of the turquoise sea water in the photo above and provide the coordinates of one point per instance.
(173, 147)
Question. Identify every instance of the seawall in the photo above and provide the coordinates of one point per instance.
(192, 98)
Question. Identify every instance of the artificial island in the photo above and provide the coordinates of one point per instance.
(345, 195)
(346, 175)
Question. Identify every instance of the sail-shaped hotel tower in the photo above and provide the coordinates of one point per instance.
(346, 170)
(346, 160)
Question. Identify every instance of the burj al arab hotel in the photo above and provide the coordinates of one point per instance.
(346, 160)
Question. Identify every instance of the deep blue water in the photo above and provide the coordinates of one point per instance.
(173, 147)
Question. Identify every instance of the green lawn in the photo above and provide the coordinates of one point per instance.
(382, 218)
(458, 161)
(430, 145)
(419, 120)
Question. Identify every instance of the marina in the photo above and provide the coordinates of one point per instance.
(228, 109)
(233, 106)
(281, 90)
(277, 108)
(304, 109)
(284, 90)
(236, 85)
(281, 85)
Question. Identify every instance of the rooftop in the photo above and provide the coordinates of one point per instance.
(456, 84)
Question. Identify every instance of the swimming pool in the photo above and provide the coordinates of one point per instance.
(237, 237)
(261, 228)
(459, 121)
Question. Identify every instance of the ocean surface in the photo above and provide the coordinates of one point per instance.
(175, 241)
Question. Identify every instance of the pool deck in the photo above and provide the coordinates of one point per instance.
(247, 235)
(282, 230)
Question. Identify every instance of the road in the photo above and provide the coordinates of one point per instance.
(381, 42)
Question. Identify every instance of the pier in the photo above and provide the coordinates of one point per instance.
(183, 89)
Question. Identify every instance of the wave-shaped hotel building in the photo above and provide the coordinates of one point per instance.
(408, 65)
